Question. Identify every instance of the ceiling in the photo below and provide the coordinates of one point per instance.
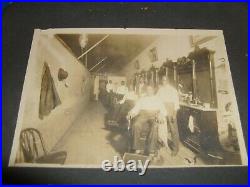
(117, 49)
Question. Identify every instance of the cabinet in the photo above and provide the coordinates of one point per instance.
(203, 136)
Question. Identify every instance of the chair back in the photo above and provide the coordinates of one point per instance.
(32, 144)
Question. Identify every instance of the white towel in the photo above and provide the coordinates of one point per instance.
(163, 133)
(191, 123)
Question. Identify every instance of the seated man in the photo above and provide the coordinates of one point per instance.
(147, 109)
(126, 104)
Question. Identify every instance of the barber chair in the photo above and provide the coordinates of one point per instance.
(109, 121)
(143, 137)
(129, 155)
(34, 151)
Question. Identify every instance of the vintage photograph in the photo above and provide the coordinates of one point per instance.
(161, 96)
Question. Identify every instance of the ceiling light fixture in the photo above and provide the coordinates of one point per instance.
(83, 40)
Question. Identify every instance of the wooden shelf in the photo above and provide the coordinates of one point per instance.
(199, 107)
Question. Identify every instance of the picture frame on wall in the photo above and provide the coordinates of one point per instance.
(153, 54)
(199, 39)
(137, 64)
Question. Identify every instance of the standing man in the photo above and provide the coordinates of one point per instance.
(96, 88)
(169, 96)
(141, 88)
(122, 90)
(110, 90)
(109, 86)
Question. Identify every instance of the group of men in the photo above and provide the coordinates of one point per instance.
(146, 107)
(119, 100)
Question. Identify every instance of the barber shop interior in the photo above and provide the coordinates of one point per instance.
(166, 97)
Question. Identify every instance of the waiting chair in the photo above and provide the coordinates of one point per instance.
(34, 151)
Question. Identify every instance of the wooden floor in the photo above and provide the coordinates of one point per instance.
(88, 143)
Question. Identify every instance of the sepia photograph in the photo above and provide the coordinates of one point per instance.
(127, 98)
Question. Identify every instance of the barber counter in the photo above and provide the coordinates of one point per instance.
(198, 129)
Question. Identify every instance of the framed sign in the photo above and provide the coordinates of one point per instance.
(153, 54)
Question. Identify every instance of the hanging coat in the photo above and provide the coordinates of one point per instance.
(49, 98)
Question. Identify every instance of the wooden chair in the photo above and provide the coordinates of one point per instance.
(34, 151)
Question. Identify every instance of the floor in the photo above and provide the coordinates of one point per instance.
(88, 143)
